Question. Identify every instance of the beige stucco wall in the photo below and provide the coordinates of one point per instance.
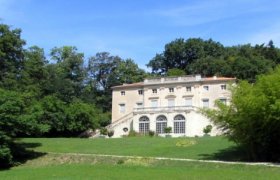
(195, 122)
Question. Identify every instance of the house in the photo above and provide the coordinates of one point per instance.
(172, 102)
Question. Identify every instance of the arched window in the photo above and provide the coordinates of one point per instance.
(179, 124)
(161, 123)
(144, 124)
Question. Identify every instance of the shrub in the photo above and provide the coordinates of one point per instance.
(110, 133)
(207, 129)
(133, 133)
(151, 133)
(167, 130)
(252, 118)
(103, 131)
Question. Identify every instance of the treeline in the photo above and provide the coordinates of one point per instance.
(208, 58)
(62, 93)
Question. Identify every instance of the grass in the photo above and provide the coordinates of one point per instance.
(70, 166)
(53, 166)
(203, 148)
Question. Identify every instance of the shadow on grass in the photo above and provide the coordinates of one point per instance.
(22, 152)
(233, 153)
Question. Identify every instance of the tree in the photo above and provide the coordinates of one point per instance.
(66, 78)
(11, 56)
(252, 119)
(15, 118)
(105, 71)
(181, 53)
(34, 73)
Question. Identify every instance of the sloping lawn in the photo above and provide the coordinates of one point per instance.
(53, 166)
(192, 148)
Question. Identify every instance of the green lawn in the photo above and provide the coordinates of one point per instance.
(53, 166)
(70, 166)
(205, 148)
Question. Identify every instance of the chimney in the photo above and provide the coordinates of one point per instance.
(198, 77)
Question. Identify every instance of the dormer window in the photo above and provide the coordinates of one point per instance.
(123, 93)
(189, 88)
(154, 91)
(223, 87)
(171, 90)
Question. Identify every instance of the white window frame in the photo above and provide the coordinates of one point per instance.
(122, 107)
(171, 90)
(154, 91)
(203, 103)
(123, 93)
(161, 124)
(154, 103)
(144, 125)
(223, 87)
(188, 101)
(179, 124)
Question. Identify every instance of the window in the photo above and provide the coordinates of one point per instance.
(122, 108)
(223, 100)
(171, 102)
(205, 103)
(122, 93)
(140, 92)
(171, 90)
(189, 88)
(139, 105)
(179, 124)
(144, 124)
(154, 91)
(206, 88)
(223, 87)
(154, 103)
(188, 102)
(161, 123)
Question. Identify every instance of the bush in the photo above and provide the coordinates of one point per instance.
(110, 133)
(133, 133)
(104, 131)
(252, 118)
(167, 130)
(151, 133)
(207, 129)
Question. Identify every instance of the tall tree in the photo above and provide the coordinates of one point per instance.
(67, 76)
(11, 56)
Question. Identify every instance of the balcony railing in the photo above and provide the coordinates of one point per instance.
(163, 109)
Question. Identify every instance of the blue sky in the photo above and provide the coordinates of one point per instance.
(139, 29)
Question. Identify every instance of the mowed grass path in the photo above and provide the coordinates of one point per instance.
(135, 146)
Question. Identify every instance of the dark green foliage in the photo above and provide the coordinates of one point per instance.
(151, 133)
(252, 119)
(110, 133)
(167, 130)
(209, 58)
(207, 129)
(104, 131)
(11, 56)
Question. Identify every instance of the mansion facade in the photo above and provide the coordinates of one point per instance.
(173, 102)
